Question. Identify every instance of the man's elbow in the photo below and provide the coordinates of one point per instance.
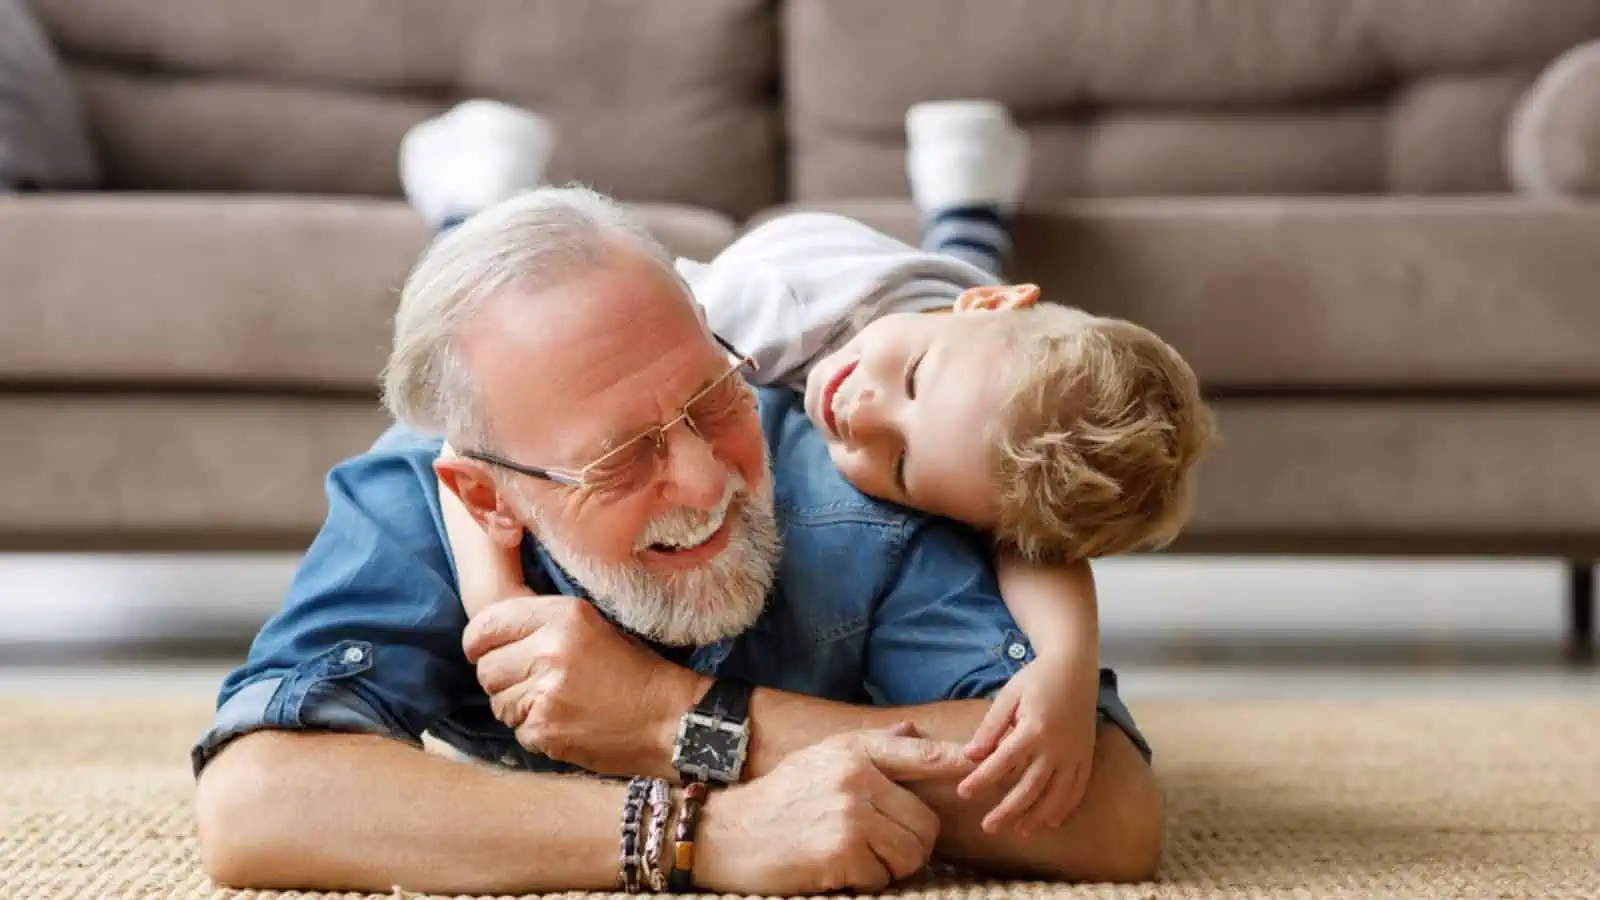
(1127, 845)
(1134, 852)
(238, 813)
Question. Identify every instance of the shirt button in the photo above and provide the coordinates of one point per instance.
(1016, 651)
(354, 655)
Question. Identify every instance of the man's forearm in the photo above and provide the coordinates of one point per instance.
(782, 723)
(361, 813)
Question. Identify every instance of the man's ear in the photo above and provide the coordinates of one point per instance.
(998, 298)
(467, 482)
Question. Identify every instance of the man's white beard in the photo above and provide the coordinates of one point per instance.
(692, 608)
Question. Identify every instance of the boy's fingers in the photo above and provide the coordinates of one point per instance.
(1056, 804)
(1066, 792)
(1021, 799)
(992, 728)
(1010, 757)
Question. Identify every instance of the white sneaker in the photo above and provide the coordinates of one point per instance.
(474, 156)
(965, 153)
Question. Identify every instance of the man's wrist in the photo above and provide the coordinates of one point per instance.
(675, 696)
(716, 845)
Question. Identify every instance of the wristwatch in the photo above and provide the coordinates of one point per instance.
(713, 736)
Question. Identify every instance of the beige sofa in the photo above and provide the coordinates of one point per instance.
(1310, 199)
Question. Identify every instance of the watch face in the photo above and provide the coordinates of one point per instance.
(714, 749)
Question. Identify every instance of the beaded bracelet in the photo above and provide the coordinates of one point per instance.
(660, 808)
(680, 880)
(632, 812)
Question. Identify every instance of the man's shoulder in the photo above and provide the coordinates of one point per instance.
(392, 483)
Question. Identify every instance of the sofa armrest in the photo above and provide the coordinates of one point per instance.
(1553, 146)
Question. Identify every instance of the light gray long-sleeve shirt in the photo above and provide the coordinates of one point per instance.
(799, 287)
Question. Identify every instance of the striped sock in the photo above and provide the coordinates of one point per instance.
(977, 233)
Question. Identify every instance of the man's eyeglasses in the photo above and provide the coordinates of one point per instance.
(636, 462)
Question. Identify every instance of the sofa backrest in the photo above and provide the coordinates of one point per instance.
(669, 100)
(735, 105)
(1175, 97)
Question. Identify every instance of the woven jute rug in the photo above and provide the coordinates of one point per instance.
(1285, 799)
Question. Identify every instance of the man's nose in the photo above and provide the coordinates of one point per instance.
(693, 475)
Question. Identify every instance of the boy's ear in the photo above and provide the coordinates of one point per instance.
(998, 298)
(470, 484)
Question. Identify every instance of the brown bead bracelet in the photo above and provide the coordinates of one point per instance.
(680, 880)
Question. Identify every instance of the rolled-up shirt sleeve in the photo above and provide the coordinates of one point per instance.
(941, 631)
(368, 639)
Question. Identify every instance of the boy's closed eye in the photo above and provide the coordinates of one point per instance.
(911, 394)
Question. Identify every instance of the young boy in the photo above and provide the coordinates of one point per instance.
(1065, 436)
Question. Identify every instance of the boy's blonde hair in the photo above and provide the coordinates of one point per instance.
(1096, 445)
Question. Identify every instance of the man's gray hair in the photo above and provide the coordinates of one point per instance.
(540, 240)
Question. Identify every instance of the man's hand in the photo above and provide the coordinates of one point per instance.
(1042, 728)
(831, 817)
(575, 688)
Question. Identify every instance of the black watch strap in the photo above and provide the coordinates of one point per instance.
(728, 699)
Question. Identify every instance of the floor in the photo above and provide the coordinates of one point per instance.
(1173, 626)
(1349, 681)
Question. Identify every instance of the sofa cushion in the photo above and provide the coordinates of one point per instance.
(1272, 295)
(1390, 477)
(256, 292)
(668, 101)
(43, 140)
(1171, 97)
(194, 471)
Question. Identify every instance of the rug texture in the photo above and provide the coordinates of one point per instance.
(1308, 800)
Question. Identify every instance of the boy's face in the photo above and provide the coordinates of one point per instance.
(906, 407)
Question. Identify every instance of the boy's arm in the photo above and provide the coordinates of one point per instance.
(1056, 607)
(485, 571)
(1043, 722)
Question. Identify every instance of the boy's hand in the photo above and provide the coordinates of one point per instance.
(1042, 727)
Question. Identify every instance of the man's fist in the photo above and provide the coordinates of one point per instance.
(575, 688)
(831, 817)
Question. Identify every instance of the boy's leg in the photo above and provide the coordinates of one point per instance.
(470, 158)
(968, 163)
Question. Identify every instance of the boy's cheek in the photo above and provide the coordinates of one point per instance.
(857, 469)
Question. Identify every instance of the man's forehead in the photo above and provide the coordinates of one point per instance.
(592, 371)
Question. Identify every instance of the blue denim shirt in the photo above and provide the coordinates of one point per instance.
(873, 604)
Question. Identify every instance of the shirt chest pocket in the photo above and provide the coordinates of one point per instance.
(832, 572)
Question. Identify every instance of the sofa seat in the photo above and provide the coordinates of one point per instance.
(1402, 475)
(244, 292)
(132, 471)
(1306, 295)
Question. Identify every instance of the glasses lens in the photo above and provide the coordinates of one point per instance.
(626, 468)
(716, 403)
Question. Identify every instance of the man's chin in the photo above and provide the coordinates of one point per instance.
(710, 629)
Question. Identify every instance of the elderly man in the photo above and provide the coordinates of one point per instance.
(814, 697)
